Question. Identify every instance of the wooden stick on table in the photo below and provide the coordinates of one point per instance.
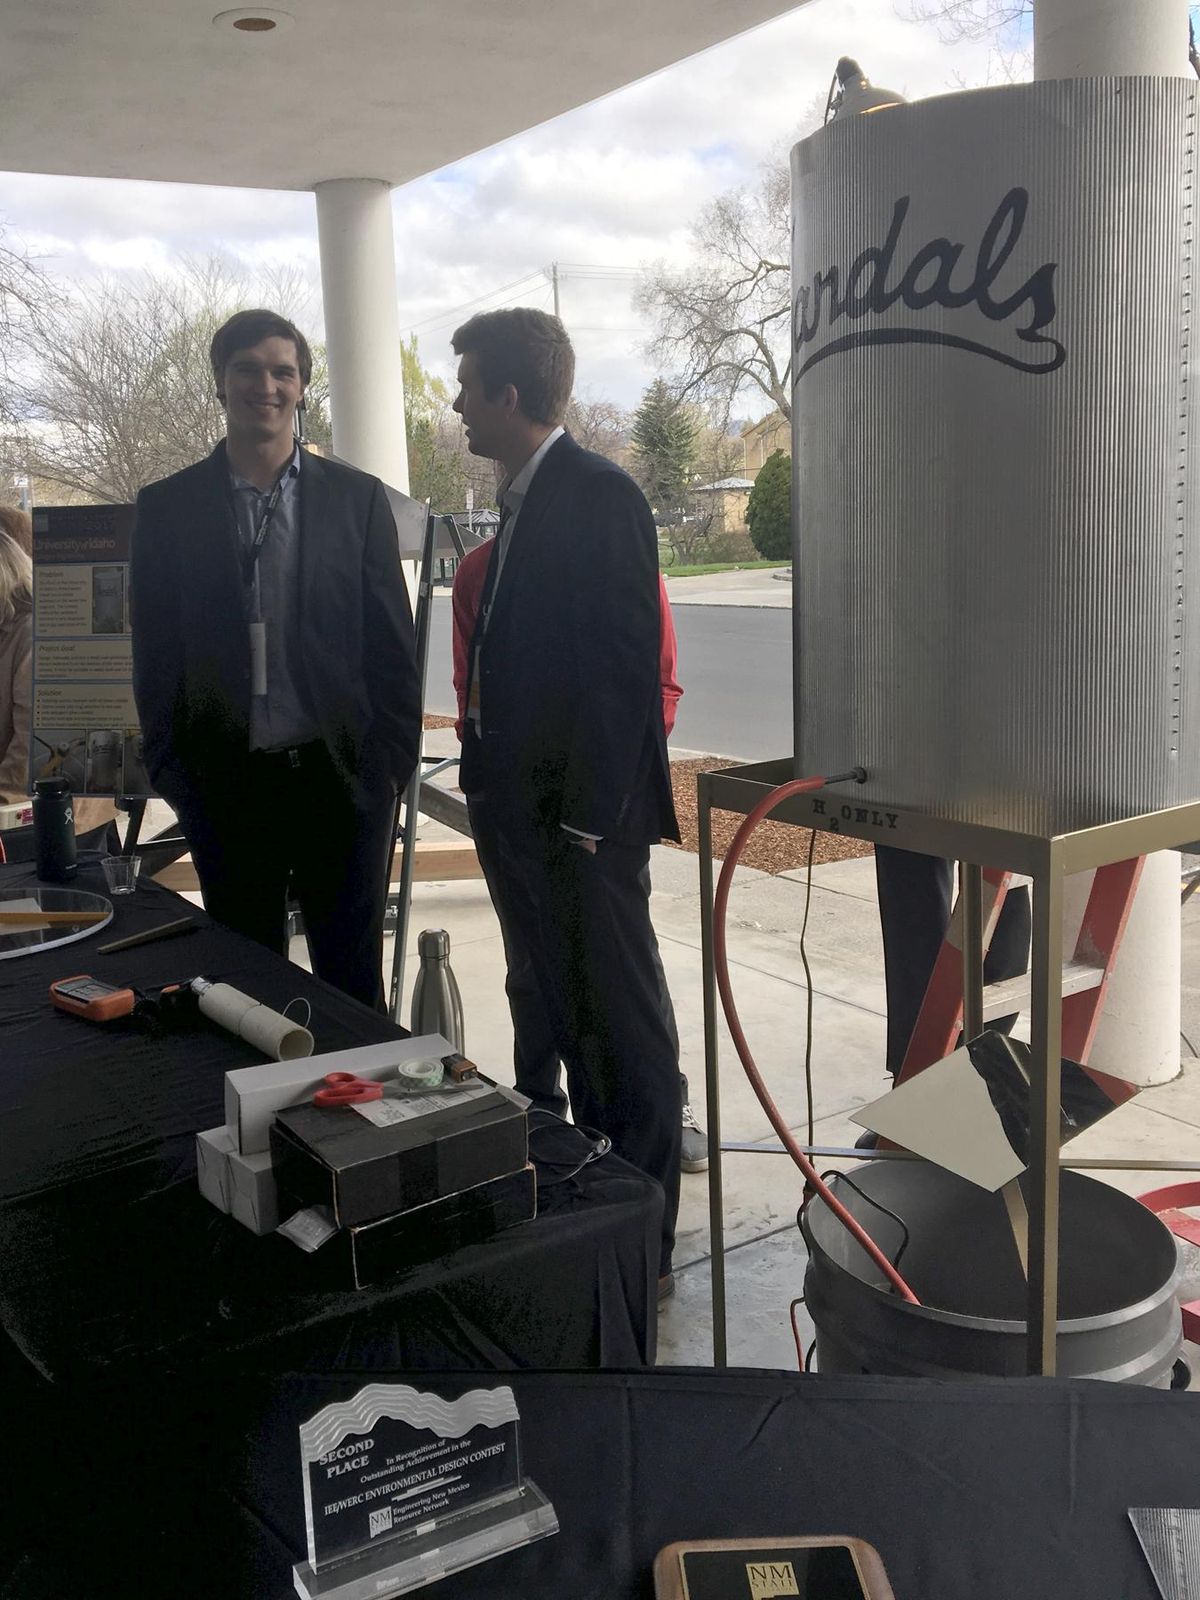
(51, 919)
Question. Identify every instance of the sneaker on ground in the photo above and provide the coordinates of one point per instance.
(666, 1289)
(693, 1147)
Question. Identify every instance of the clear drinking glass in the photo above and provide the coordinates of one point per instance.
(121, 873)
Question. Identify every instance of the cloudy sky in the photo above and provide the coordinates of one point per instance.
(608, 188)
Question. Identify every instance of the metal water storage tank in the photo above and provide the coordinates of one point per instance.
(995, 453)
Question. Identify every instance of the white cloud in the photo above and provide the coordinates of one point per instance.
(614, 184)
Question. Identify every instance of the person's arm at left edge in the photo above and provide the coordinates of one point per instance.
(464, 606)
(668, 664)
(14, 763)
(389, 647)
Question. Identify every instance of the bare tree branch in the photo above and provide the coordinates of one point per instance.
(1004, 24)
(113, 388)
(722, 324)
(972, 19)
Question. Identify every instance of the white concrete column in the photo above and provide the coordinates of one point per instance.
(362, 329)
(1110, 38)
(1138, 1037)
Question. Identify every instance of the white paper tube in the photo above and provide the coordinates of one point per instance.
(265, 1029)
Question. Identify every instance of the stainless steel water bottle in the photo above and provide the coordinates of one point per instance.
(436, 1002)
(54, 830)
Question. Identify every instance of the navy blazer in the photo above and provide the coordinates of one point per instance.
(570, 692)
(191, 645)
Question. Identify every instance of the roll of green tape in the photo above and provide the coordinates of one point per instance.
(420, 1074)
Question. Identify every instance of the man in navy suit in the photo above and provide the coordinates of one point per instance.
(564, 759)
(274, 666)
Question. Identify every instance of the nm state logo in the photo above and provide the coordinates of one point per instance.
(865, 302)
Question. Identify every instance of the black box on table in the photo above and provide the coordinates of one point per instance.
(358, 1257)
(363, 1171)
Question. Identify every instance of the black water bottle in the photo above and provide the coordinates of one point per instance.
(54, 830)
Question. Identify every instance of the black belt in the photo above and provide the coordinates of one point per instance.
(291, 755)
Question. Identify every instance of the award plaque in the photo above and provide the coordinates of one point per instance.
(402, 1488)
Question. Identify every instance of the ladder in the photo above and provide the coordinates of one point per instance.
(1085, 976)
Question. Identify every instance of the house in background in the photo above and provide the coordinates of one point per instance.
(728, 498)
(761, 439)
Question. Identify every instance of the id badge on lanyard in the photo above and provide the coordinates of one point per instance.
(258, 627)
(258, 658)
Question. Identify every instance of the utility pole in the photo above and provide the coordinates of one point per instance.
(552, 274)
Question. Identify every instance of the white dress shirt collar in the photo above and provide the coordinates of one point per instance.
(514, 491)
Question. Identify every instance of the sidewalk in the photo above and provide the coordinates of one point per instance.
(760, 586)
(765, 1265)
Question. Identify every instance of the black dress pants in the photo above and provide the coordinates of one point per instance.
(586, 987)
(536, 1061)
(294, 826)
(915, 901)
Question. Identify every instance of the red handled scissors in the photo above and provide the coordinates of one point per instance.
(347, 1089)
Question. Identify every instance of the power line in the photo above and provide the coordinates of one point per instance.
(580, 269)
(467, 305)
(520, 288)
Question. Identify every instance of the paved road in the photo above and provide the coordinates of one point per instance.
(735, 664)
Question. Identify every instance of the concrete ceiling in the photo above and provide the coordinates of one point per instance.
(347, 89)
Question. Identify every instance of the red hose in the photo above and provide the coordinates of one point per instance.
(765, 806)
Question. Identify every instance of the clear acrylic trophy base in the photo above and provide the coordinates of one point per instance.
(398, 1567)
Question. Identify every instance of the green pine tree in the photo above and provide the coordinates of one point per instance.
(665, 448)
(769, 511)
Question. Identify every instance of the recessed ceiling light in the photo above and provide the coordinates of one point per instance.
(253, 19)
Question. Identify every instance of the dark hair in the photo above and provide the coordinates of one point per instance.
(245, 329)
(530, 350)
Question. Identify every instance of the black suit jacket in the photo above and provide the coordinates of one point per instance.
(191, 649)
(570, 690)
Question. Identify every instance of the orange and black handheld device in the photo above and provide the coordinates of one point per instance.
(92, 999)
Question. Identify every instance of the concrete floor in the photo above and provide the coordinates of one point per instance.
(765, 1254)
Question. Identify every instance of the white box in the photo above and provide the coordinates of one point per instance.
(213, 1151)
(254, 1094)
(254, 1200)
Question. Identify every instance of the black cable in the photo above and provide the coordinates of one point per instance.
(808, 978)
(595, 1145)
(879, 1206)
(808, 1366)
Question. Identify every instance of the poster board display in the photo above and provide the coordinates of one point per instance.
(85, 723)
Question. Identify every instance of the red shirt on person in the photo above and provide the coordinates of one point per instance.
(468, 586)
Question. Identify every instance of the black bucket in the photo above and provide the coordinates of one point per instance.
(1118, 1313)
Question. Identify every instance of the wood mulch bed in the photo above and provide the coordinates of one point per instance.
(775, 847)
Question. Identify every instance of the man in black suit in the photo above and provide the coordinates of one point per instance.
(274, 666)
(564, 759)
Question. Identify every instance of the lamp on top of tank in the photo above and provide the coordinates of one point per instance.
(852, 92)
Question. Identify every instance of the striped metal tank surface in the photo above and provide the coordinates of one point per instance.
(996, 484)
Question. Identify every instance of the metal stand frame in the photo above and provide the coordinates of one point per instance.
(422, 627)
(1047, 860)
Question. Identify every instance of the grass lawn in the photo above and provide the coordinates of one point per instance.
(718, 566)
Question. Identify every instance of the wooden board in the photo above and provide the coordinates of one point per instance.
(436, 861)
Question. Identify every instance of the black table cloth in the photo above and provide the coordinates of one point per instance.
(1015, 1490)
(112, 1260)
